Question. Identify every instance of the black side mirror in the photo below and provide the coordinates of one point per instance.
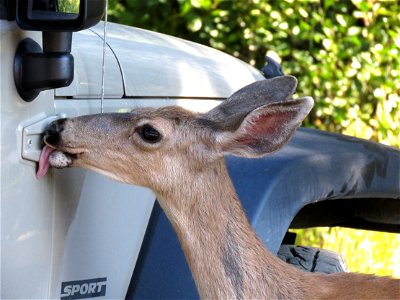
(59, 15)
(57, 19)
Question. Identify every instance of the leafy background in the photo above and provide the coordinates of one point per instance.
(69, 6)
(345, 55)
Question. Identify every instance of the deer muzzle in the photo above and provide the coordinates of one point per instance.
(53, 153)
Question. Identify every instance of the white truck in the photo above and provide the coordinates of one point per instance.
(75, 234)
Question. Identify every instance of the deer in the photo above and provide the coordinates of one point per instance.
(179, 154)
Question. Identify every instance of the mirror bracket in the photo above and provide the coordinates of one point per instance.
(36, 70)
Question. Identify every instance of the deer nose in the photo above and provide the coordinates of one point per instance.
(52, 133)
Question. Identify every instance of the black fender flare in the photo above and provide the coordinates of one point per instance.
(317, 166)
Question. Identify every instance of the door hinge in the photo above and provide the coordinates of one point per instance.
(32, 138)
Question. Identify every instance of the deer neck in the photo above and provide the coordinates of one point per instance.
(226, 258)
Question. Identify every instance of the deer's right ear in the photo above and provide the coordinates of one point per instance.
(265, 129)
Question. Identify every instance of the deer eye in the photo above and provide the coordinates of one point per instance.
(149, 134)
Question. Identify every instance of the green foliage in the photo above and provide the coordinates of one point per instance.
(345, 53)
(69, 6)
(364, 251)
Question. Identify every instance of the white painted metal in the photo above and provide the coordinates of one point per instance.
(87, 49)
(158, 65)
(26, 204)
(103, 63)
(99, 230)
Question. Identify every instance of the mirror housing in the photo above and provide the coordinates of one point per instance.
(31, 17)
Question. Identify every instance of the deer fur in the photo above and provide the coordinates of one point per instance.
(186, 170)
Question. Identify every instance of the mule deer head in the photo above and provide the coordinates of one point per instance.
(149, 145)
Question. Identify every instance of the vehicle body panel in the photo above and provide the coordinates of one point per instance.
(157, 65)
(87, 49)
(26, 204)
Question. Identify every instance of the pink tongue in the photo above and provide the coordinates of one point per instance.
(44, 161)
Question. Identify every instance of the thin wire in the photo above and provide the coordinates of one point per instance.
(103, 71)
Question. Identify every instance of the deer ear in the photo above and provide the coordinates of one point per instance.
(265, 129)
(229, 113)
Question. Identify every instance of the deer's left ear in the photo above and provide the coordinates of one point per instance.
(265, 129)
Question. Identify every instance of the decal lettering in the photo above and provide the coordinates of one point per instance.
(81, 289)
